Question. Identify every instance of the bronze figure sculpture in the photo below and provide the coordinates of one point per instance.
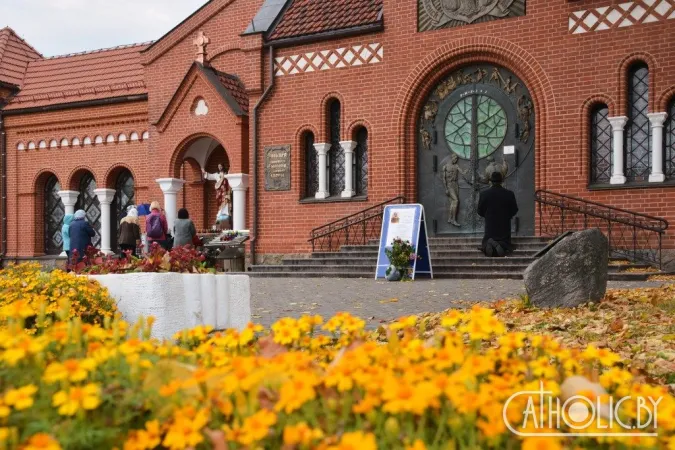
(451, 173)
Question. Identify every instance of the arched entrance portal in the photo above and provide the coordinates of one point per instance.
(198, 196)
(479, 119)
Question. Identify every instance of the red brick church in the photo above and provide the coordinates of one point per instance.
(320, 109)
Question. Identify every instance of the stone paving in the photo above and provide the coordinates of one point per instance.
(376, 301)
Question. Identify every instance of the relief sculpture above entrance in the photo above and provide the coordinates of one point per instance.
(476, 121)
(435, 14)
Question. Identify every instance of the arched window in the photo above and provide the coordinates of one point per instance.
(601, 144)
(669, 131)
(311, 164)
(336, 154)
(125, 196)
(88, 201)
(638, 129)
(53, 217)
(361, 161)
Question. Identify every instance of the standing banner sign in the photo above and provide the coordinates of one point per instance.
(406, 222)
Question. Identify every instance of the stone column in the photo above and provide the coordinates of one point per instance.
(69, 199)
(105, 197)
(618, 124)
(170, 187)
(239, 184)
(348, 147)
(322, 152)
(657, 120)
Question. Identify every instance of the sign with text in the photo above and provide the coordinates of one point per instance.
(278, 168)
(405, 222)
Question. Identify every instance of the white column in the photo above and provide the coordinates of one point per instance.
(105, 197)
(322, 152)
(618, 124)
(657, 120)
(348, 147)
(239, 184)
(69, 199)
(170, 187)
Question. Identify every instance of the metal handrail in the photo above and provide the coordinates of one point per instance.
(631, 234)
(325, 233)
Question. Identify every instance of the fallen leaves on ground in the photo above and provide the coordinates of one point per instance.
(638, 324)
(391, 300)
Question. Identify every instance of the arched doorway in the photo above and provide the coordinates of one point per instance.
(479, 119)
(125, 196)
(88, 201)
(198, 195)
(53, 213)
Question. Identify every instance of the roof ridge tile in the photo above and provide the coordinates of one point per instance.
(99, 50)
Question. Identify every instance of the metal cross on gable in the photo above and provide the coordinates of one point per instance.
(201, 42)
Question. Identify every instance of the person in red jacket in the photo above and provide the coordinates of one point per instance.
(156, 226)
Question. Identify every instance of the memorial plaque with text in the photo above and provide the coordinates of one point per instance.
(278, 168)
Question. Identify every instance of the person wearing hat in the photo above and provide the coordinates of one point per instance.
(80, 234)
(498, 206)
(129, 233)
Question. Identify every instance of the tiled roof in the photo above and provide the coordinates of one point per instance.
(77, 77)
(236, 89)
(15, 54)
(307, 17)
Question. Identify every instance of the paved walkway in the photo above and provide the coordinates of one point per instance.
(377, 301)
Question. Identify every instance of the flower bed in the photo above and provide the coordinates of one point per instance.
(79, 386)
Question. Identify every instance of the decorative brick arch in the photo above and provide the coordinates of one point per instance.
(38, 186)
(355, 125)
(114, 171)
(323, 137)
(585, 120)
(301, 159)
(447, 58)
(176, 161)
(224, 49)
(665, 98)
(41, 176)
(624, 66)
(76, 173)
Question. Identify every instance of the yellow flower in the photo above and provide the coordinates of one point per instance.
(19, 309)
(286, 331)
(256, 427)
(357, 440)
(71, 401)
(301, 434)
(21, 398)
(151, 437)
(72, 370)
(186, 429)
(295, 393)
(41, 441)
(418, 445)
(541, 443)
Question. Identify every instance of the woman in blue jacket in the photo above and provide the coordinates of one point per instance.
(65, 234)
(80, 234)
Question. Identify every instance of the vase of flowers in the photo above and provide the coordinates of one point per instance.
(401, 256)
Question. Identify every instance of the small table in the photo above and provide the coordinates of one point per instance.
(228, 256)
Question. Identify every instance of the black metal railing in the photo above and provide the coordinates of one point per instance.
(631, 235)
(357, 229)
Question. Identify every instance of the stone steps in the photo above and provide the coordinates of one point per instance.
(454, 257)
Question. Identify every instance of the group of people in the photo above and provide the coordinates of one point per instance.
(77, 232)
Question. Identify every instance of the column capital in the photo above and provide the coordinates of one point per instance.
(170, 185)
(69, 198)
(618, 123)
(322, 149)
(105, 196)
(348, 146)
(238, 181)
(657, 119)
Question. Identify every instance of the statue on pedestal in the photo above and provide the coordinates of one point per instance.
(223, 194)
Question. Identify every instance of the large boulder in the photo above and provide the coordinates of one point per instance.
(571, 273)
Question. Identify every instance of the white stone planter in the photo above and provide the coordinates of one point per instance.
(180, 301)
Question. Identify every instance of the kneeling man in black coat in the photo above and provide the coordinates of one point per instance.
(498, 206)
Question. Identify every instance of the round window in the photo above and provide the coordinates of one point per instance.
(475, 124)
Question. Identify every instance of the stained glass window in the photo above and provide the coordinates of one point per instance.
(53, 217)
(361, 162)
(669, 132)
(88, 201)
(601, 145)
(311, 165)
(489, 126)
(638, 130)
(336, 154)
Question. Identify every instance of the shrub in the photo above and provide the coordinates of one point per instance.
(303, 384)
(28, 288)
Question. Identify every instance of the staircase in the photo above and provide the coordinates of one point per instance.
(451, 257)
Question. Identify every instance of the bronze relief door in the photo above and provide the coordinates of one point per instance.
(477, 121)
